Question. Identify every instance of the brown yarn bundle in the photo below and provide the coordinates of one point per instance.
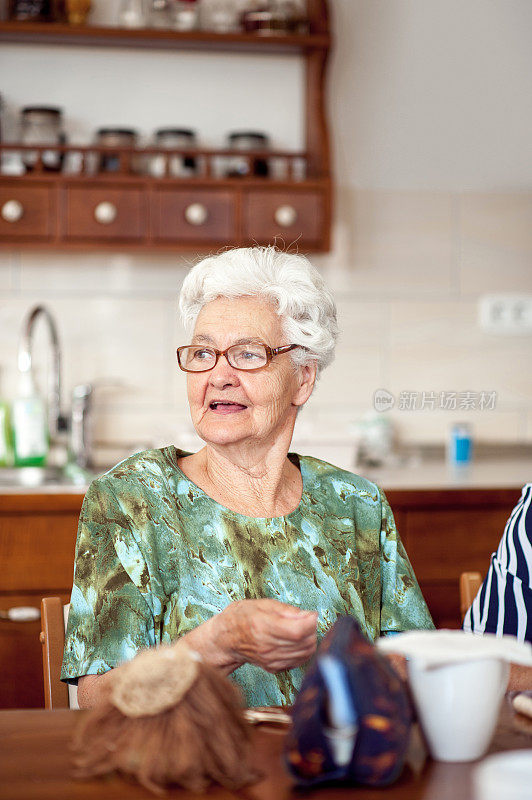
(169, 719)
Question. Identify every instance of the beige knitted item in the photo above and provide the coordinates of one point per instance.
(154, 681)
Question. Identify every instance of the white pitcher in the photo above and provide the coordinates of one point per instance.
(457, 681)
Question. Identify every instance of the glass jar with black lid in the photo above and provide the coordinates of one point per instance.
(238, 167)
(176, 165)
(34, 10)
(42, 125)
(119, 138)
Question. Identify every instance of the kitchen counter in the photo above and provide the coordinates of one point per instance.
(46, 489)
(501, 473)
(406, 473)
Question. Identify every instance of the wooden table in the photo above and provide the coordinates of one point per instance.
(34, 765)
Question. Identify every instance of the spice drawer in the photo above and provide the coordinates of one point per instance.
(194, 216)
(106, 213)
(290, 216)
(26, 212)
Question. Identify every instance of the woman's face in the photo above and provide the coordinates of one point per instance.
(230, 406)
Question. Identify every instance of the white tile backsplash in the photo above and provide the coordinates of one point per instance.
(393, 244)
(115, 273)
(8, 269)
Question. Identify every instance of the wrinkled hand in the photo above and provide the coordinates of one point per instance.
(270, 634)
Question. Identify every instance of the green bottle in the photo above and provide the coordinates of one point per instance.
(29, 425)
(6, 451)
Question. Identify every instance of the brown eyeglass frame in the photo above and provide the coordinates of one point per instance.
(270, 353)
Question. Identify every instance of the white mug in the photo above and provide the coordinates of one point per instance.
(458, 705)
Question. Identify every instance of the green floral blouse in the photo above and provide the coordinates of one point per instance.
(156, 556)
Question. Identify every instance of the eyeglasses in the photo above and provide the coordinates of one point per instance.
(195, 358)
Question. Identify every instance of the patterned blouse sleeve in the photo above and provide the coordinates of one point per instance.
(402, 606)
(109, 618)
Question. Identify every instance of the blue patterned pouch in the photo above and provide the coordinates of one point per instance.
(352, 716)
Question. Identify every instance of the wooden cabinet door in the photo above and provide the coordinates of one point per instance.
(21, 674)
(447, 542)
(26, 212)
(446, 533)
(194, 215)
(290, 216)
(37, 542)
(106, 213)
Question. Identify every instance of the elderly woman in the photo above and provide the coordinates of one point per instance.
(247, 550)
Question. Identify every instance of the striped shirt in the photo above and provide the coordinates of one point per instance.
(504, 601)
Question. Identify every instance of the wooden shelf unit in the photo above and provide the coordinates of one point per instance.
(152, 38)
(57, 210)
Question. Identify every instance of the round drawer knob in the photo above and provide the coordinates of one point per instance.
(285, 216)
(196, 214)
(105, 213)
(12, 211)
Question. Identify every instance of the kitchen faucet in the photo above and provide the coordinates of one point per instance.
(56, 422)
(79, 444)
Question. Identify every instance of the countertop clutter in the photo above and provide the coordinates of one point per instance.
(426, 467)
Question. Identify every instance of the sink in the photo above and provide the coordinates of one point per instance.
(32, 477)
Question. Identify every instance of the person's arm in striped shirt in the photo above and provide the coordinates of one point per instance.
(503, 604)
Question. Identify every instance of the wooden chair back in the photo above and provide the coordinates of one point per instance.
(470, 583)
(53, 641)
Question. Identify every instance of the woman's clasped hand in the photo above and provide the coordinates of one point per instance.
(270, 634)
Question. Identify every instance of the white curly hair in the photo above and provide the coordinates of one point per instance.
(289, 281)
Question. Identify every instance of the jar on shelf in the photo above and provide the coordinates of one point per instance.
(186, 15)
(119, 138)
(289, 16)
(221, 16)
(132, 14)
(238, 166)
(260, 21)
(160, 14)
(273, 17)
(77, 11)
(42, 125)
(174, 165)
(34, 10)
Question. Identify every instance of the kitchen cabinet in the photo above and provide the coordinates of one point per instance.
(37, 541)
(127, 210)
(445, 533)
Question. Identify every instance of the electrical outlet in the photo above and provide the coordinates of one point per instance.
(506, 314)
